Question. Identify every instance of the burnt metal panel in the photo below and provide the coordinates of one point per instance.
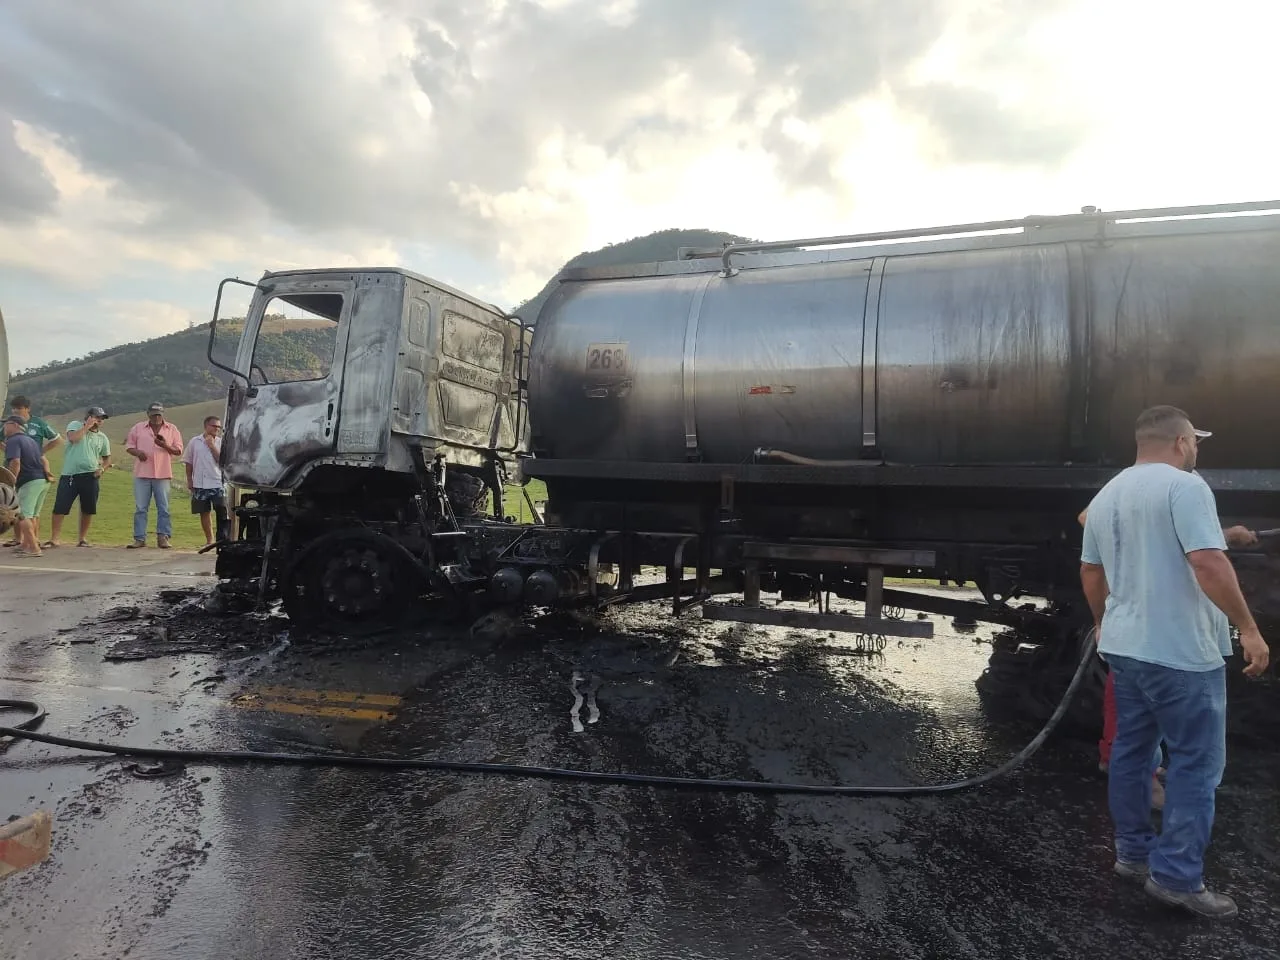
(779, 362)
(457, 375)
(275, 429)
(474, 377)
(973, 353)
(713, 367)
(409, 408)
(576, 408)
(1192, 321)
(372, 362)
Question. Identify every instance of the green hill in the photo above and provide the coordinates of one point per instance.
(175, 370)
(171, 370)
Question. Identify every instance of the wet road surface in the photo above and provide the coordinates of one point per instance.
(316, 863)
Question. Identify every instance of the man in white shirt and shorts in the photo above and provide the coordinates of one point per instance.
(204, 480)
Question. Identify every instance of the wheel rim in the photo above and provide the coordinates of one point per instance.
(350, 585)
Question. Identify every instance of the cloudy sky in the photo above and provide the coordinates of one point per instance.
(148, 148)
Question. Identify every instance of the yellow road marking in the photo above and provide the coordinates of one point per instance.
(341, 696)
(310, 710)
(339, 704)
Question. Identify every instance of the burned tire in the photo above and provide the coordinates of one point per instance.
(468, 496)
(9, 512)
(1029, 680)
(353, 582)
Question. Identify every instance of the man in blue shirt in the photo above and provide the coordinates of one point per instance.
(46, 439)
(1156, 575)
(25, 461)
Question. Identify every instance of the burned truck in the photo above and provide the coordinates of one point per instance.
(358, 473)
(768, 425)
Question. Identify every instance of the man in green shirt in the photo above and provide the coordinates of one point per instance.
(88, 454)
(36, 428)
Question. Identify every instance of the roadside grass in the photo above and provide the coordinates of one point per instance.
(113, 524)
(514, 504)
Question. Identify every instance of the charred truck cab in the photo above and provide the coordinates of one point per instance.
(392, 410)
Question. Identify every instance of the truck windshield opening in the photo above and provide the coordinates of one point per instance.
(296, 339)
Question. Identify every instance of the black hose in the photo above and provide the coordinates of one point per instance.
(37, 713)
(552, 773)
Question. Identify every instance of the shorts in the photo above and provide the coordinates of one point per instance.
(82, 485)
(204, 500)
(31, 497)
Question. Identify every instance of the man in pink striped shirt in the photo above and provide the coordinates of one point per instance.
(153, 444)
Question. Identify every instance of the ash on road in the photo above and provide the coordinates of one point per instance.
(309, 863)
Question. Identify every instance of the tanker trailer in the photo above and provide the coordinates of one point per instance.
(810, 416)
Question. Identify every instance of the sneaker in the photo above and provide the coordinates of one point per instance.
(136, 545)
(1203, 903)
(1132, 871)
(162, 542)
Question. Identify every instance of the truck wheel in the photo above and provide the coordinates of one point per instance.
(1028, 680)
(354, 582)
(9, 512)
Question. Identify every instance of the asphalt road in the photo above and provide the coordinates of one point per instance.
(306, 863)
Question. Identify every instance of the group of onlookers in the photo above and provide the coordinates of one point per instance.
(153, 444)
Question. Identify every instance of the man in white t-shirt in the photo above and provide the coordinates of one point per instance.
(204, 480)
(1154, 570)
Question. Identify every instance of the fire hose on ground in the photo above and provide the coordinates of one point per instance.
(25, 731)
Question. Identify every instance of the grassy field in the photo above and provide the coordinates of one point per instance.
(113, 526)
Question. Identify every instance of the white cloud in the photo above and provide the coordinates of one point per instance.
(157, 146)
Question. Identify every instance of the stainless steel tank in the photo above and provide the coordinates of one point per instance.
(1038, 345)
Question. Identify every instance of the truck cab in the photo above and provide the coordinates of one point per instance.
(344, 378)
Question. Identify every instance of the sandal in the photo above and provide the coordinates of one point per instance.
(51, 544)
(27, 553)
(84, 543)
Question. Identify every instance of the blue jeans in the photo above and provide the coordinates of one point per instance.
(1189, 710)
(144, 488)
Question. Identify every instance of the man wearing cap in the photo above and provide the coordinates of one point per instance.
(45, 436)
(34, 427)
(88, 455)
(153, 443)
(1155, 572)
(24, 460)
